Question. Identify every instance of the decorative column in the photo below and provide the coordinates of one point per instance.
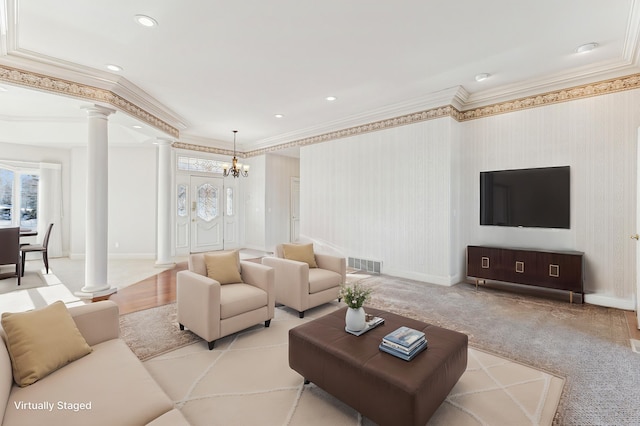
(163, 234)
(96, 249)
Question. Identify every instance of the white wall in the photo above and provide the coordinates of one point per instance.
(254, 204)
(132, 201)
(266, 192)
(47, 155)
(409, 196)
(386, 196)
(596, 137)
(280, 170)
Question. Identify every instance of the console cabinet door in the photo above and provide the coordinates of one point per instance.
(560, 271)
(488, 263)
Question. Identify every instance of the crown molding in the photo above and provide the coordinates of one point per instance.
(599, 88)
(416, 117)
(206, 149)
(76, 90)
(632, 36)
(454, 96)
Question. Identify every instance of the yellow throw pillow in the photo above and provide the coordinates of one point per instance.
(301, 253)
(223, 267)
(41, 341)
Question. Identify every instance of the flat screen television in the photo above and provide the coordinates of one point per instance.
(537, 198)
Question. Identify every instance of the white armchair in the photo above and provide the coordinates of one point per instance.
(212, 309)
(301, 286)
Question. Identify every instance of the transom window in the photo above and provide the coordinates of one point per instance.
(203, 165)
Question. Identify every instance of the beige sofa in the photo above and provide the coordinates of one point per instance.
(300, 287)
(109, 386)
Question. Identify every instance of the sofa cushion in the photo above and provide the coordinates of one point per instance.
(301, 253)
(237, 299)
(223, 267)
(111, 379)
(323, 279)
(41, 341)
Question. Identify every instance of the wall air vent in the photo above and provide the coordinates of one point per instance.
(365, 265)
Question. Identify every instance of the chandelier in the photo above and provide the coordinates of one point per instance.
(236, 169)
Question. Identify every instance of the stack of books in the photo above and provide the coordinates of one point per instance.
(405, 343)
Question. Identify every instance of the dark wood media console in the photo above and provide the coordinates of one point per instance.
(561, 270)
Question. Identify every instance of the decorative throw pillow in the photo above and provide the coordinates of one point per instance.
(41, 341)
(301, 253)
(223, 267)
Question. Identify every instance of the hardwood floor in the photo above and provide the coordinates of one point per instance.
(154, 291)
(160, 290)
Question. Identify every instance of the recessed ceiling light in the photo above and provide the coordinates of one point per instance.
(278, 116)
(586, 47)
(482, 77)
(113, 67)
(137, 127)
(146, 21)
(331, 98)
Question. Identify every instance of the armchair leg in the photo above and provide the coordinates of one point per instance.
(339, 299)
(267, 323)
(211, 343)
(181, 326)
(301, 314)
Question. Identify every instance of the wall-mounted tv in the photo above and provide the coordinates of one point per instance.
(526, 197)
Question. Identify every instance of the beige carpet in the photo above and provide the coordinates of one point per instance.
(246, 380)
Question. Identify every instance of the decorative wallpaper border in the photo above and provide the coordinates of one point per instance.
(614, 85)
(573, 93)
(416, 117)
(207, 149)
(77, 90)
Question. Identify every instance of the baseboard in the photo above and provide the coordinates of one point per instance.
(428, 278)
(610, 302)
(137, 256)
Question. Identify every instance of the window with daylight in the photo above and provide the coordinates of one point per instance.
(182, 200)
(19, 197)
(203, 165)
(229, 201)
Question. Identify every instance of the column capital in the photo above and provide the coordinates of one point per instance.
(98, 110)
(161, 141)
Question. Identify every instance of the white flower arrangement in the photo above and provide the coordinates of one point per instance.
(354, 295)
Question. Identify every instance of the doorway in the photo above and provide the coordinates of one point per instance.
(208, 219)
(295, 210)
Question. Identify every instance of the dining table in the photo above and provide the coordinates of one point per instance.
(28, 232)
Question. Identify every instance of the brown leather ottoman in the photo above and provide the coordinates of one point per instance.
(386, 389)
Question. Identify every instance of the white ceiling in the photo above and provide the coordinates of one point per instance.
(212, 66)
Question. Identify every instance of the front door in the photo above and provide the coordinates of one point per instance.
(207, 214)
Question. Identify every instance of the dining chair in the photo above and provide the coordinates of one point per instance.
(34, 248)
(10, 248)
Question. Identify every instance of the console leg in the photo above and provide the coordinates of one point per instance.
(571, 297)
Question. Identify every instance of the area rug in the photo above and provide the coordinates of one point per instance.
(587, 344)
(246, 380)
(154, 331)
